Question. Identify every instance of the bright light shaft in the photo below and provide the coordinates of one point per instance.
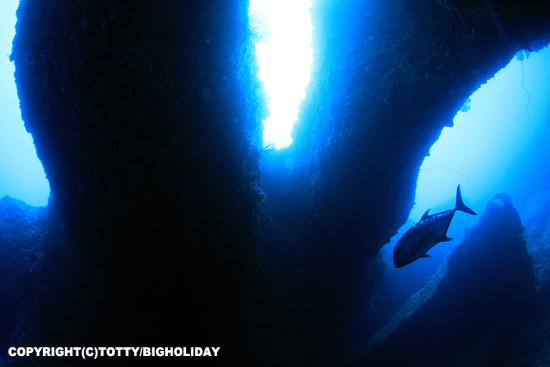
(285, 64)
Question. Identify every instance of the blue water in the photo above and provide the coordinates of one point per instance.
(21, 173)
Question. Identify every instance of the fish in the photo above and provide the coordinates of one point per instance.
(428, 232)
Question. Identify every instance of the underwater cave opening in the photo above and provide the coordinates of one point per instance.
(21, 172)
(281, 31)
(494, 146)
(499, 143)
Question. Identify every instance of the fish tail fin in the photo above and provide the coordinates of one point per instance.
(460, 204)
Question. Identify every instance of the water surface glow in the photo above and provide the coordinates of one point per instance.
(284, 57)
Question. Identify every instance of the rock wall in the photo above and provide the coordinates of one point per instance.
(145, 116)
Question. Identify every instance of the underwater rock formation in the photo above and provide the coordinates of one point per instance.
(533, 345)
(537, 235)
(21, 237)
(146, 116)
(473, 308)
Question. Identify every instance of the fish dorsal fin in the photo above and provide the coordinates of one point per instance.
(446, 239)
(425, 215)
(425, 256)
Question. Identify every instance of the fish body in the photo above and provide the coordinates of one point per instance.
(427, 233)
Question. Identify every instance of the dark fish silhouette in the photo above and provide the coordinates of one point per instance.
(427, 233)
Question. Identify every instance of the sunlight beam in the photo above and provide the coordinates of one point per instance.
(284, 57)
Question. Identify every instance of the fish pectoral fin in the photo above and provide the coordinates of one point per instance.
(425, 256)
(446, 239)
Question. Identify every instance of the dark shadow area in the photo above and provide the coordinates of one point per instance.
(7, 321)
